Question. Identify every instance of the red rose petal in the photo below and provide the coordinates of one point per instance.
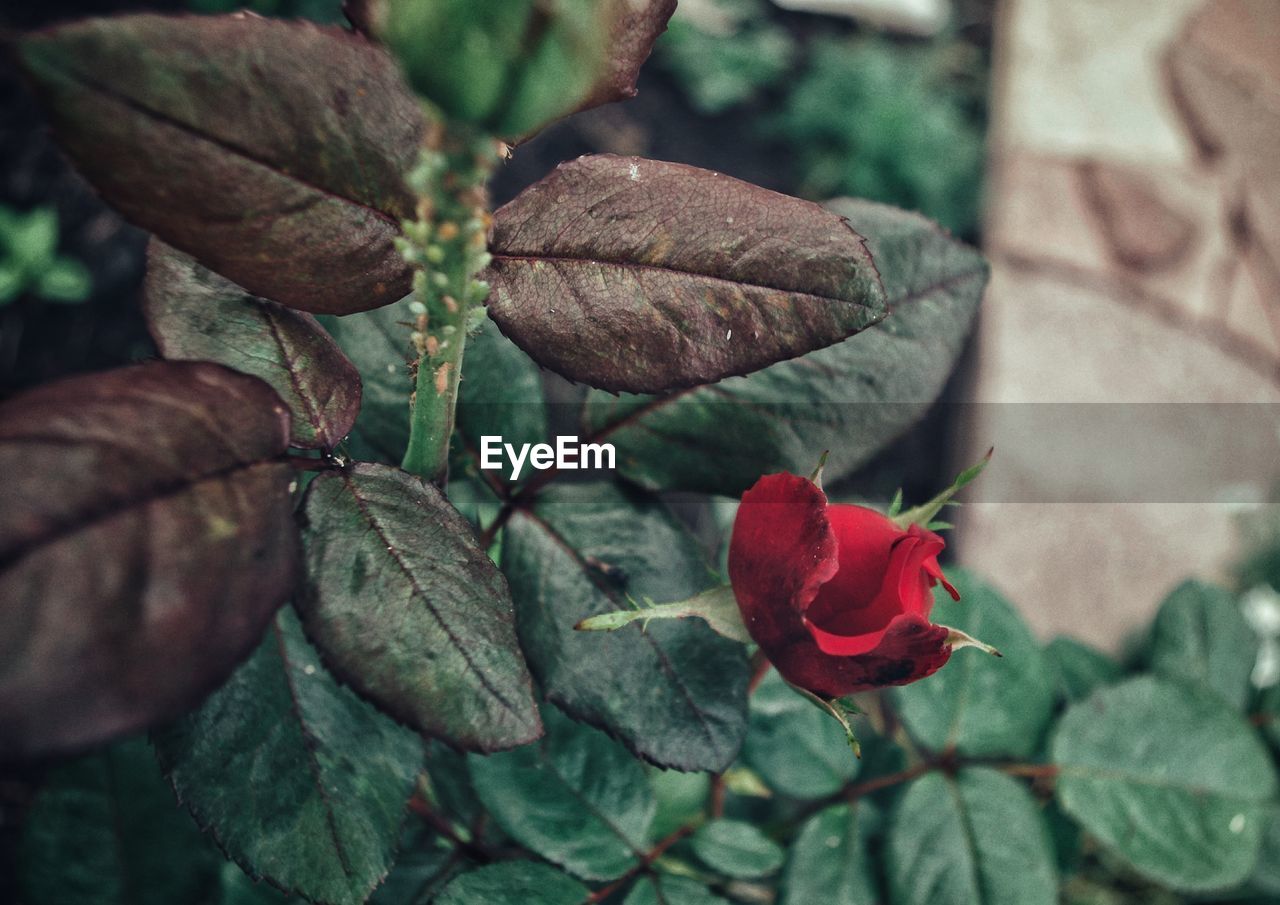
(781, 553)
(911, 649)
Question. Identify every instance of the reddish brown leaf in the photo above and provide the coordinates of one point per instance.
(638, 25)
(196, 315)
(641, 276)
(272, 151)
(146, 538)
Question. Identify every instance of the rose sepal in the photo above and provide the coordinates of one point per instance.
(841, 709)
(956, 639)
(923, 515)
(717, 607)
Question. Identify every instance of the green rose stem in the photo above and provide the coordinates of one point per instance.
(446, 246)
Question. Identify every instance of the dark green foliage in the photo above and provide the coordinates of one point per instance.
(514, 883)
(406, 607)
(105, 830)
(674, 692)
(1079, 668)
(852, 398)
(576, 798)
(797, 750)
(1168, 779)
(829, 860)
(981, 705)
(1200, 636)
(737, 849)
(886, 122)
(975, 839)
(149, 527)
(300, 781)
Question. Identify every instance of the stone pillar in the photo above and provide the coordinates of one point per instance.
(1134, 230)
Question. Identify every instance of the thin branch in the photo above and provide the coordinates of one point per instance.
(760, 666)
(643, 866)
(441, 825)
(716, 798)
(1030, 771)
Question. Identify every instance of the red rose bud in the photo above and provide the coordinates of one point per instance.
(838, 597)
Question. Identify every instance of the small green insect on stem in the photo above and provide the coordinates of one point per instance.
(446, 245)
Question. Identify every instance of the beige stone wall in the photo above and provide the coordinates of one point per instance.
(1132, 219)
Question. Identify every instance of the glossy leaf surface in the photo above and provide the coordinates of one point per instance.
(675, 694)
(1168, 779)
(272, 151)
(407, 609)
(852, 398)
(641, 276)
(300, 781)
(195, 315)
(977, 839)
(576, 798)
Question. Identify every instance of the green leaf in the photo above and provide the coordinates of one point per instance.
(829, 862)
(424, 863)
(727, 57)
(379, 344)
(681, 798)
(1267, 875)
(195, 315)
(300, 781)
(449, 784)
(797, 749)
(65, 280)
(664, 889)
(717, 607)
(105, 830)
(147, 536)
(513, 883)
(407, 609)
(238, 888)
(641, 276)
(510, 66)
(1201, 637)
(852, 398)
(982, 706)
(737, 849)
(294, 191)
(977, 839)
(13, 282)
(575, 798)
(33, 240)
(674, 694)
(1079, 668)
(1168, 779)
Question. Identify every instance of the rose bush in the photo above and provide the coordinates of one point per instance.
(837, 596)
